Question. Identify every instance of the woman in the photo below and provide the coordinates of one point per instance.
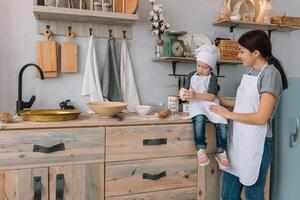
(256, 101)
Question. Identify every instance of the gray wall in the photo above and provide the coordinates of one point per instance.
(17, 47)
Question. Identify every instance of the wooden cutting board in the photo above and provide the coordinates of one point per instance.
(131, 6)
(69, 55)
(126, 6)
(47, 55)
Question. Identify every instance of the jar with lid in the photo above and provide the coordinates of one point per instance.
(97, 5)
(107, 7)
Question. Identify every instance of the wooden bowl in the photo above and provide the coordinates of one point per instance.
(107, 108)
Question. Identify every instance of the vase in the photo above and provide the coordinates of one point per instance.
(159, 47)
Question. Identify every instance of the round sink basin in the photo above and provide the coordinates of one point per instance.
(49, 115)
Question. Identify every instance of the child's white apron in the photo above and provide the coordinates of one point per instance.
(246, 143)
(196, 107)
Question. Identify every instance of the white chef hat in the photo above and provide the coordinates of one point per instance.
(209, 54)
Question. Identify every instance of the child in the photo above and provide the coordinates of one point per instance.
(203, 91)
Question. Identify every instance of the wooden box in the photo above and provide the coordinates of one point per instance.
(285, 20)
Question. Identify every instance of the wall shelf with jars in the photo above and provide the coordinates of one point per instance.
(100, 15)
(255, 25)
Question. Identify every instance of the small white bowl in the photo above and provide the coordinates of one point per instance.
(143, 110)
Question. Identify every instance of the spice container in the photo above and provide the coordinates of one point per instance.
(107, 7)
(97, 6)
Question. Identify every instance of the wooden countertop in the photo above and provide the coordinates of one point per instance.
(96, 121)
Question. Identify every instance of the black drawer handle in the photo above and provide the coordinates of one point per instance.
(37, 184)
(60, 180)
(155, 141)
(154, 176)
(42, 149)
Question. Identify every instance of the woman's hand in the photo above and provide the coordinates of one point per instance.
(220, 110)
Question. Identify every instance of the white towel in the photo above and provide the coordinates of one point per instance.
(91, 84)
(128, 86)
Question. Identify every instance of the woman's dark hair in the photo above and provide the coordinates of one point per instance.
(259, 40)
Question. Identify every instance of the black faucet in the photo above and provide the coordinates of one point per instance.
(20, 103)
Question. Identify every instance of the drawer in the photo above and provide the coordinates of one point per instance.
(177, 194)
(135, 177)
(23, 148)
(157, 141)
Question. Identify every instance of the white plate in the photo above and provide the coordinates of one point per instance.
(195, 40)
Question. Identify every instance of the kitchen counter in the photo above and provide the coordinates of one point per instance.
(96, 121)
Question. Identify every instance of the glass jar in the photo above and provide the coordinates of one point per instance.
(267, 13)
(97, 6)
(107, 7)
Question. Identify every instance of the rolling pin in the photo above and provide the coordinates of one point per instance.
(164, 113)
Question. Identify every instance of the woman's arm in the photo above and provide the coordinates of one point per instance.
(261, 117)
(227, 102)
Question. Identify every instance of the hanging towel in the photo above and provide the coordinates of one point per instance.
(111, 74)
(128, 86)
(91, 83)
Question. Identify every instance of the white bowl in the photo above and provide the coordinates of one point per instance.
(143, 110)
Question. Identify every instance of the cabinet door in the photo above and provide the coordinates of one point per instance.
(77, 182)
(25, 184)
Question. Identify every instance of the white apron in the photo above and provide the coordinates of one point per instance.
(246, 142)
(196, 107)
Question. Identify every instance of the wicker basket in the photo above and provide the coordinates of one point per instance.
(229, 49)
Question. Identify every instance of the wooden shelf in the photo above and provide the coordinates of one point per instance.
(190, 60)
(254, 25)
(78, 15)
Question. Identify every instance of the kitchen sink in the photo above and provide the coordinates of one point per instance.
(49, 115)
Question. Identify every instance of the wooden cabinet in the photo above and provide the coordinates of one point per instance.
(52, 164)
(158, 162)
(73, 182)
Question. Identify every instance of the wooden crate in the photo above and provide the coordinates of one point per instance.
(285, 20)
(229, 49)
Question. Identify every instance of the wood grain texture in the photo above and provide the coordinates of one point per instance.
(209, 180)
(47, 57)
(81, 182)
(124, 178)
(19, 184)
(129, 141)
(69, 57)
(177, 194)
(16, 147)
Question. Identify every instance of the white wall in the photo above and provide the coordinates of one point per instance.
(18, 38)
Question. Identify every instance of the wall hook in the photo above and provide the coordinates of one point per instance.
(124, 34)
(91, 30)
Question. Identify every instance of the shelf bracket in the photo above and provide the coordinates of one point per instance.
(218, 70)
(232, 27)
(270, 32)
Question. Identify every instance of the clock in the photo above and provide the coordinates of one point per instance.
(174, 47)
(177, 48)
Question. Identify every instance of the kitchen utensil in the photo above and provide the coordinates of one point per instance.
(107, 108)
(119, 6)
(50, 115)
(69, 55)
(131, 6)
(47, 55)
